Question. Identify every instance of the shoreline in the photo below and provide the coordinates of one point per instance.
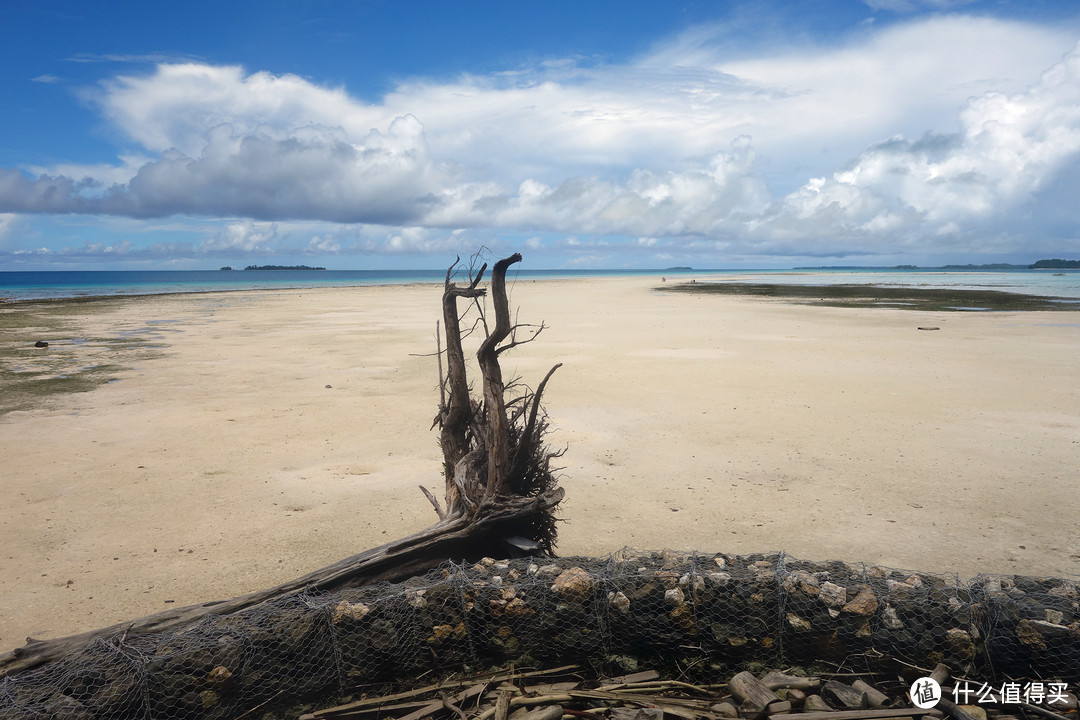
(1041, 280)
(224, 464)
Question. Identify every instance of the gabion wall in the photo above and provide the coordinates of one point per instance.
(715, 612)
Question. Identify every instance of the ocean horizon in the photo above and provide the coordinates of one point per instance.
(59, 284)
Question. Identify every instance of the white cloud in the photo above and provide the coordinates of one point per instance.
(243, 236)
(8, 230)
(909, 6)
(175, 107)
(1009, 147)
(709, 199)
(684, 142)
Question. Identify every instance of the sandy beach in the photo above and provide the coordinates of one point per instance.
(250, 437)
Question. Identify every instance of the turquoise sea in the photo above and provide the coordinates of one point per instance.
(29, 285)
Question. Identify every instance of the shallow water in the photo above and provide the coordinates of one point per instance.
(66, 284)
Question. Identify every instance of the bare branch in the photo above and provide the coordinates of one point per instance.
(442, 381)
(530, 427)
(515, 343)
(434, 503)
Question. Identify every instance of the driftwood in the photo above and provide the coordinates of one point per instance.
(639, 696)
(753, 693)
(500, 489)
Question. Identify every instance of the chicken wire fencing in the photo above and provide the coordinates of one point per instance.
(699, 614)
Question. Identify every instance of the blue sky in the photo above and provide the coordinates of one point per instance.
(583, 134)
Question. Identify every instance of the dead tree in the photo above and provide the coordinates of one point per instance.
(501, 492)
(492, 449)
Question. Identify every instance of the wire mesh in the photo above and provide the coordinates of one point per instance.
(655, 609)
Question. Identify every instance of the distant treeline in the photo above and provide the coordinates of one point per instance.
(1054, 263)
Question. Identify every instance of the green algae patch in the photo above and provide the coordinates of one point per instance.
(74, 359)
(877, 296)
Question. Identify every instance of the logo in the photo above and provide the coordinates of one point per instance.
(925, 693)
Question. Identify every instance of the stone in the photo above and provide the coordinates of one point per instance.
(898, 588)
(890, 619)
(798, 623)
(1067, 590)
(960, 642)
(803, 581)
(446, 632)
(833, 595)
(674, 596)
(517, 608)
(41, 344)
(865, 603)
(219, 678)
(573, 584)
(694, 583)
(346, 610)
(619, 601)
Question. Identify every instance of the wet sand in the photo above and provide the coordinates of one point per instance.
(250, 437)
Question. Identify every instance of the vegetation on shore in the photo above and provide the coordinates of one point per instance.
(1055, 263)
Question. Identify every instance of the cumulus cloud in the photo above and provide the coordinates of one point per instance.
(244, 236)
(175, 106)
(310, 173)
(709, 199)
(683, 142)
(1009, 147)
(8, 222)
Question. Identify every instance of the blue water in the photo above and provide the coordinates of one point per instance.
(30, 285)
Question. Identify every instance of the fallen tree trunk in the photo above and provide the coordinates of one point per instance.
(456, 538)
(500, 490)
(701, 617)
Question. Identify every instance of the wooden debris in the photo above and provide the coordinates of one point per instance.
(845, 695)
(568, 692)
(875, 697)
(776, 680)
(816, 703)
(751, 692)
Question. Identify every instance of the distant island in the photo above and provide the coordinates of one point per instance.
(679, 267)
(280, 267)
(1055, 263)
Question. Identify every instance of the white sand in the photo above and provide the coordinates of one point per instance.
(693, 422)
